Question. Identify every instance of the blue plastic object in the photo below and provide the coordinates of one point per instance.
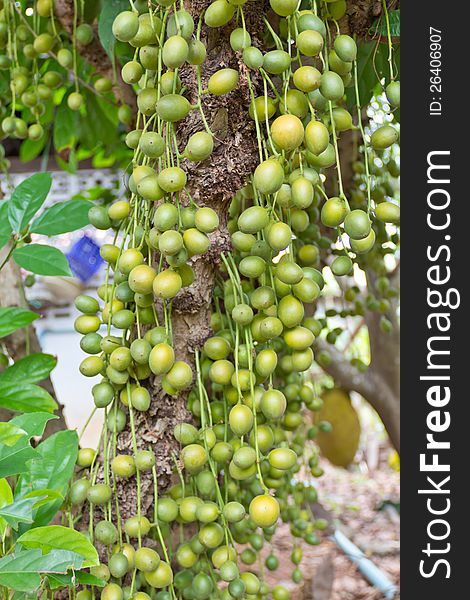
(84, 258)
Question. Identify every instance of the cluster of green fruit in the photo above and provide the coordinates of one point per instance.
(247, 392)
(37, 57)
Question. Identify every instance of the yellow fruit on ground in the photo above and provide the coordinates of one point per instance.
(340, 445)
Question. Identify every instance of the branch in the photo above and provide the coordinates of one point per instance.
(370, 385)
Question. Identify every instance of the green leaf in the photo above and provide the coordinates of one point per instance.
(27, 199)
(380, 25)
(51, 470)
(109, 12)
(10, 434)
(62, 218)
(73, 578)
(21, 571)
(19, 511)
(13, 318)
(5, 227)
(6, 497)
(26, 397)
(97, 129)
(65, 127)
(14, 459)
(57, 537)
(31, 149)
(30, 369)
(42, 260)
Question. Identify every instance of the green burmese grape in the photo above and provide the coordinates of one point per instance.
(167, 510)
(43, 43)
(253, 219)
(195, 241)
(306, 290)
(194, 457)
(392, 92)
(262, 298)
(334, 212)
(288, 271)
(148, 32)
(276, 62)
(200, 146)
(112, 591)
(118, 564)
(161, 577)
(324, 160)
(170, 83)
(263, 107)
(35, 132)
(131, 72)
(309, 42)
(223, 82)
(243, 242)
(146, 559)
(197, 52)
(87, 304)
(283, 8)
(173, 107)
(331, 86)
(149, 56)
(252, 266)
(266, 362)
(116, 422)
(170, 242)
(144, 460)
(240, 419)
(91, 366)
(217, 348)
(206, 220)
(175, 51)
(253, 57)
(125, 26)
(84, 34)
(273, 404)
(140, 399)
(219, 13)
(290, 311)
(357, 224)
(78, 491)
(172, 179)
(294, 102)
(339, 66)
(337, 10)
(279, 236)
(345, 48)
(310, 21)
(307, 78)
(342, 265)
(146, 101)
(242, 314)
(166, 216)
(387, 212)
(103, 394)
(240, 39)
(384, 137)
(342, 119)
(100, 493)
(123, 319)
(134, 525)
(317, 137)
(302, 192)
(125, 114)
(363, 246)
(180, 376)
(90, 343)
(180, 23)
(151, 144)
(268, 178)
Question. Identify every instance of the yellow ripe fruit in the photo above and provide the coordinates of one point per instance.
(264, 510)
(287, 132)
